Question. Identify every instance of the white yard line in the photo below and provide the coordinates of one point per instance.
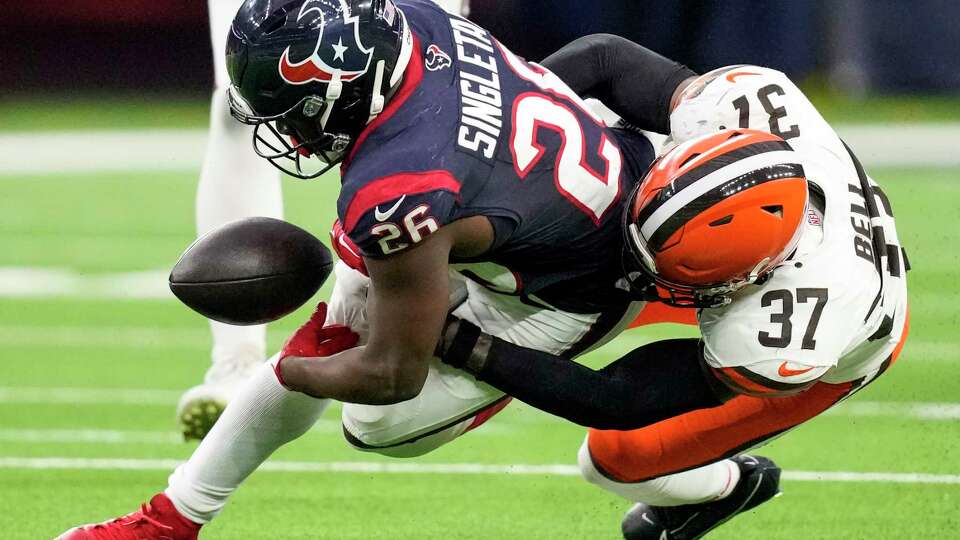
(366, 467)
(101, 151)
(897, 478)
(24, 153)
(911, 410)
(41, 282)
(100, 436)
(116, 436)
(114, 336)
(88, 396)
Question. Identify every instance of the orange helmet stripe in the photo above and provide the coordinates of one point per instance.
(715, 163)
(718, 195)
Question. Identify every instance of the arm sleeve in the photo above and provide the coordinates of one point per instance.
(633, 81)
(652, 383)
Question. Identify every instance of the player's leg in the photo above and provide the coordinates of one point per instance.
(685, 472)
(452, 402)
(234, 183)
(262, 417)
(636, 463)
(689, 465)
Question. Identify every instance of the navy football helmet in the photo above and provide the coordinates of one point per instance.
(309, 75)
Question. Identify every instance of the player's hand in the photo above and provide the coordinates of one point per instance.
(313, 339)
(346, 249)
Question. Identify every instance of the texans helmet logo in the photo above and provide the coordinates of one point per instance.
(338, 50)
(437, 59)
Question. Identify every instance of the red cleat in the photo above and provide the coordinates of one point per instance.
(156, 520)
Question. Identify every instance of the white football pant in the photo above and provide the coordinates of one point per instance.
(264, 415)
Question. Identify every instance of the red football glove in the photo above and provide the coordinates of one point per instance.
(314, 339)
(346, 249)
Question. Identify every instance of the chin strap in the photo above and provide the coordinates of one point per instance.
(334, 91)
(377, 101)
(382, 92)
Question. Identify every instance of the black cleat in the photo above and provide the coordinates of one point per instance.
(759, 482)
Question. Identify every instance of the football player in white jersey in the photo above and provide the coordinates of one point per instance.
(760, 217)
(234, 184)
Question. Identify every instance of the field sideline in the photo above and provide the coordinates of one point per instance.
(94, 354)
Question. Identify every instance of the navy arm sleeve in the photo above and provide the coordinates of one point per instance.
(652, 383)
(635, 82)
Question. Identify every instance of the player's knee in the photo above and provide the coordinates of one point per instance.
(593, 473)
(608, 455)
(588, 470)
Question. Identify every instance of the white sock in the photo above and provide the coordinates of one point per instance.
(708, 483)
(261, 418)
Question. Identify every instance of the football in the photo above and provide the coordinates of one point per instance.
(251, 271)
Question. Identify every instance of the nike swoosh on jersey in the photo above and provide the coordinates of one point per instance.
(735, 74)
(383, 216)
(784, 371)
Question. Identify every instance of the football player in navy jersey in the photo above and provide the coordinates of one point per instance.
(234, 184)
(471, 180)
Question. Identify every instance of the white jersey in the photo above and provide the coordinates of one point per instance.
(835, 311)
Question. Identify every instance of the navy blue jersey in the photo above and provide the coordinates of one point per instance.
(475, 130)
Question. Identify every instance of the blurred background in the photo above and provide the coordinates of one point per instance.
(854, 46)
(104, 113)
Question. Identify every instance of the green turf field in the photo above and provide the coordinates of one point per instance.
(97, 378)
(113, 111)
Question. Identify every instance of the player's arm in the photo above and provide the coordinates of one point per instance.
(406, 306)
(652, 383)
(633, 81)
(405, 240)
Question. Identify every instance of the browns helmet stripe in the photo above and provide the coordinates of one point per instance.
(706, 168)
(719, 193)
(677, 200)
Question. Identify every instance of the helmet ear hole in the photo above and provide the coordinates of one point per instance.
(776, 210)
